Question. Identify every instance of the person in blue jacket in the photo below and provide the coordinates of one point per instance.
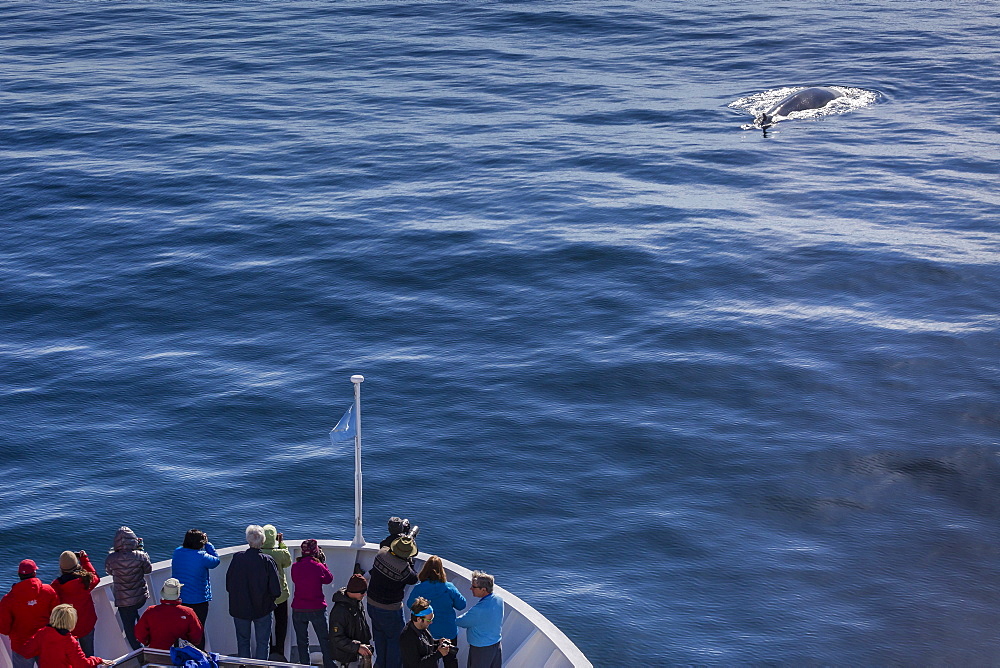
(190, 566)
(483, 623)
(444, 598)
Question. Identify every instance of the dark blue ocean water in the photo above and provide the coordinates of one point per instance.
(697, 393)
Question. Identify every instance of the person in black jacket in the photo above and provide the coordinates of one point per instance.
(397, 528)
(417, 647)
(253, 585)
(350, 637)
(391, 572)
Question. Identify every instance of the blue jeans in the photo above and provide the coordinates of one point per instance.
(301, 619)
(262, 633)
(386, 627)
(21, 661)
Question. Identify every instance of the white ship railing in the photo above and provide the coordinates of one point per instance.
(529, 639)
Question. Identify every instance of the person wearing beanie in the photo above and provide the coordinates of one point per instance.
(78, 579)
(127, 563)
(390, 574)
(445, 598)
(24, 610)
(418, 648)
(274, 546)
(309, 574)
(164, 624)
(350, 636)
(190, 564)
(55, 646)
(253, 586)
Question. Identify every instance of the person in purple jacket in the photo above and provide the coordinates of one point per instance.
(309, 574)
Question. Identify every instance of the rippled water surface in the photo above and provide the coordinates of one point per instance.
(700, 394)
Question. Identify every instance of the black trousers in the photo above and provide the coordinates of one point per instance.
(280, 628)
(201, 610)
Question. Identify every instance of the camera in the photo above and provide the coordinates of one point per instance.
(402, 527)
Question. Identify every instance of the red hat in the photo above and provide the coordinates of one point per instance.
(27, 567)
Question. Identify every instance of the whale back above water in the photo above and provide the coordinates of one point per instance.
(816, 97)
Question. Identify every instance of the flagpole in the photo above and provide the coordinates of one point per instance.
(359, 540)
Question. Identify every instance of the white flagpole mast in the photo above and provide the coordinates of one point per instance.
(359, 540)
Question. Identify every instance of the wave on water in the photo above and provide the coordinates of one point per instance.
(757, 103)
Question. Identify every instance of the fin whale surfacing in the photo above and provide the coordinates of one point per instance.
(816, 97)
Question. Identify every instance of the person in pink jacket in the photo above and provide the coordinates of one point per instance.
(309, 574)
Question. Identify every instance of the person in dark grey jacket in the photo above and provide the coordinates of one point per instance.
(128, 564)
(253, 586)
(390, 574)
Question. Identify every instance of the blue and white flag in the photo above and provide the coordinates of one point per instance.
(345, 429)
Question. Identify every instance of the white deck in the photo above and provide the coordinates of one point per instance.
(529, 639)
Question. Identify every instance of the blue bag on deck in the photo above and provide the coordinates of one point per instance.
(192, 657)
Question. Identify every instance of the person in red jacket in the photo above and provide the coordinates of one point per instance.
(78, 579)
(57, 647)
(163, 625)
(24, 610)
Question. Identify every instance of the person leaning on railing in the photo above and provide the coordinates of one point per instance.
(56, 647)
(274, 546)
(309, 574)
(253, 586)
(78, 579)
(128, 563)
(391, 572)
(190, 565)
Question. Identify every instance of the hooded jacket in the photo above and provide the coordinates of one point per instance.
(282, 559)
(24, 610)
(58, 649)
(348, 627)
(128, 565)
(72, 589)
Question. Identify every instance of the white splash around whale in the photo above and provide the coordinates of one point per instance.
(758, 103)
